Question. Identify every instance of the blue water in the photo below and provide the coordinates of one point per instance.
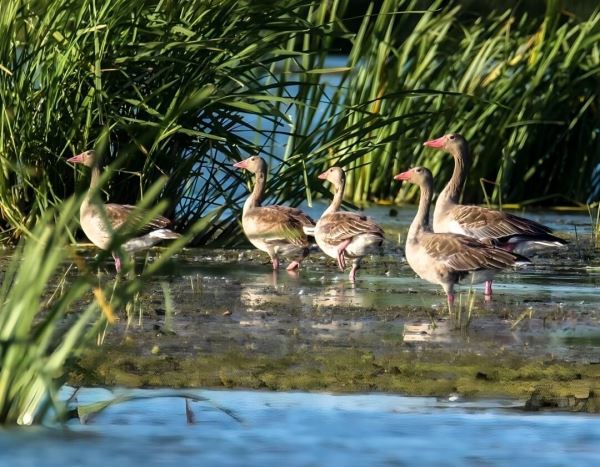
(307, 429)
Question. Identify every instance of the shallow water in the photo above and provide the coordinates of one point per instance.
(297, 428)
(541, 309)
(230, 301)
(237, 324)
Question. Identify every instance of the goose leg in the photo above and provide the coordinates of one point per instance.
(355, 267)
(340, 253)
(117, 262)
(293, 265)
(450, 299)
(487, 291)
(275, 262)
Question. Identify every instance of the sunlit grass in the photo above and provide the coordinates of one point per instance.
(52, 305)
(182, 89)
(38, 334)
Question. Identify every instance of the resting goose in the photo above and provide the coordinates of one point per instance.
(344, 235)
(99, 221)
(277, 230)
(446, 258)
(504, 230)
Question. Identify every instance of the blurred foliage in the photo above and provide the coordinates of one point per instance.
(45, 281)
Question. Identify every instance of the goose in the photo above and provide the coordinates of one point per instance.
(99, 221)
(276, 230)
(447, 258)
(501, 229)
(344, 235)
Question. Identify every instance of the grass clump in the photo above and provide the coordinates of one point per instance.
(183, 89)
(37, 338)
(40, 329)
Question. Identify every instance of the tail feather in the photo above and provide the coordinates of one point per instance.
(529, 244)
(309, 230)
(150, 239)
(163, 234)
(540, 239)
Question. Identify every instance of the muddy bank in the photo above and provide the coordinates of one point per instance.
(544, 384)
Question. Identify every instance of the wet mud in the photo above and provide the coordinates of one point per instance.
(229, 321)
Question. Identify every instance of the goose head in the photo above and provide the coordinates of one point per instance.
(418, 175)
(252, 164)
(87, 158)
(453, 143)
(335, 175)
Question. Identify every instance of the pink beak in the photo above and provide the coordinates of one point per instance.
(435, 143)
(78, 159)
(404, 175)
(323, 176)
(241, 164)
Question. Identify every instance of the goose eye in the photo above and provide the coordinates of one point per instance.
(451, 137)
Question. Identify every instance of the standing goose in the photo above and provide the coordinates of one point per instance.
(507, 231)
(344, 235)
(277, 230)
(99, 221)
(446, 258)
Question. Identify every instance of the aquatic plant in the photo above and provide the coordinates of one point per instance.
(183, 89)
(40, 330)
(166, 86)
(522, 89)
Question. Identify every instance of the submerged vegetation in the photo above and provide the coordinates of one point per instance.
(183, 89)
(429, 373)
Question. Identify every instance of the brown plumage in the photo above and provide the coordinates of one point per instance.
(507, 231)
(99, 221)
(344, 235)
(501, 229)
(277, 230)
(446, 258)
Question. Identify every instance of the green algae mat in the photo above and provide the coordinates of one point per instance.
(225, 320)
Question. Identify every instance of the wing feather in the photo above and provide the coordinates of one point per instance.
(340, 226)
(462, 253)
(117, 214)
(487, 224)
(277, 225)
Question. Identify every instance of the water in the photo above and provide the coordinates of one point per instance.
(229, 302)
(307, 429)
(560, 293)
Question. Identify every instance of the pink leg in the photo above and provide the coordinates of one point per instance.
(487, 291)
(117, 262)
(275, 262)
(353, 272)
(450, 299)
(293, 265)
(340, 251)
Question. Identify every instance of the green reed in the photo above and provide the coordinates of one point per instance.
(52, 306)
(523, 90)
(183, 89)
(167, 86)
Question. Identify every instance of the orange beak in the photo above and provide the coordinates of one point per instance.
(435, 143)
(78, 159)
(404, 175)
